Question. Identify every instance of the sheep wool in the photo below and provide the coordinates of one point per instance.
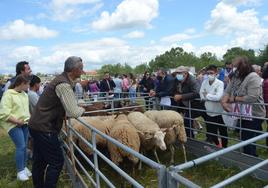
(142, 123)
(124, 132)
(169, 119)
(85, 132)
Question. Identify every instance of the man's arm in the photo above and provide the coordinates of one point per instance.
(68, 100)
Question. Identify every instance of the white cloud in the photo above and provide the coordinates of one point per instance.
(176, 37)
(190, 31)
(243, 26)
(242, 2)
(64, 10)
(94, 53)
(27, 53)
(219, 50)
(128, 14)
(226, 19)
(134, 35)
(265, 18)
(19, 30)
(188, 47)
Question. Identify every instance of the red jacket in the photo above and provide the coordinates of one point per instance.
(265, 91)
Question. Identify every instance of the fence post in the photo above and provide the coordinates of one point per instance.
(69, 140)
(162, 177)
(190, 120)
(171, 182)
(96, 166)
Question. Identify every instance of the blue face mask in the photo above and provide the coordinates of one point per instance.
(179, 77)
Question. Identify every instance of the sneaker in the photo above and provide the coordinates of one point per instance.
(219, 145)
(22, 176)
(28, 172)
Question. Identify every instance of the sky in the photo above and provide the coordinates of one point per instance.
(101, 32)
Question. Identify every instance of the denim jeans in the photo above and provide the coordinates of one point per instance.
(47, 159)
(19, 136)
(132, 95)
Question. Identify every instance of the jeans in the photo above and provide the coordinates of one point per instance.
(132, 95)
(255, 124)
(19, 136)
(47, 159)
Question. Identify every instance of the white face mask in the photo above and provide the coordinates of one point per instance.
(234, 69)
(179, 77)
(211, 77)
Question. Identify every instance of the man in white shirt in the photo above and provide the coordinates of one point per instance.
(212, 91)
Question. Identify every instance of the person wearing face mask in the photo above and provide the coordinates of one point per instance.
(165, 85)
(185, 90)
(212, 91)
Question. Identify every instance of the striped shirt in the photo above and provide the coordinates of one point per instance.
(65, 92)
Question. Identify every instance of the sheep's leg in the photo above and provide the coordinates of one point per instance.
(133, 173)
(172, 153)
(184, 152)
(140, 162)
(156, 156)
(122, 180)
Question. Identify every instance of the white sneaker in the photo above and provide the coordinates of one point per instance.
(28, 172)
(22, 176)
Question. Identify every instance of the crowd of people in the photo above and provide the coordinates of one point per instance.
(26, 108)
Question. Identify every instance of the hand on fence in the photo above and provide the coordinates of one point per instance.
(177, 97)
(227, 107)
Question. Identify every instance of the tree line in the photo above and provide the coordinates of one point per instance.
(177, 56)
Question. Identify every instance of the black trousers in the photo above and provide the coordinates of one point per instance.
(47, 159)
(255, 124)
(213, 129)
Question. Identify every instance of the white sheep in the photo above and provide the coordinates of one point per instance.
(124, 132)
(151, 135)
(102, 125)
(174, 123)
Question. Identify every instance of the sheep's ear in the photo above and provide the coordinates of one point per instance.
(140, 134)
(164, 129)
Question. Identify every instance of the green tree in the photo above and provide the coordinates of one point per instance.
(238, 51)
(140, 69)
(263, 56)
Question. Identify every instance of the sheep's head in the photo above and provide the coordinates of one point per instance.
(159, 140)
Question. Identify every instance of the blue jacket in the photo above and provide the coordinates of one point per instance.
(165, 86)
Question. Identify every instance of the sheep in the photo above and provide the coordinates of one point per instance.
(124, 132)
(102, 125)
(93, 109)
(101, 109)
(174, 123)
(150, 134)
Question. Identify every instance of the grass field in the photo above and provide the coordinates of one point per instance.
(204, 175)
(8, 167)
